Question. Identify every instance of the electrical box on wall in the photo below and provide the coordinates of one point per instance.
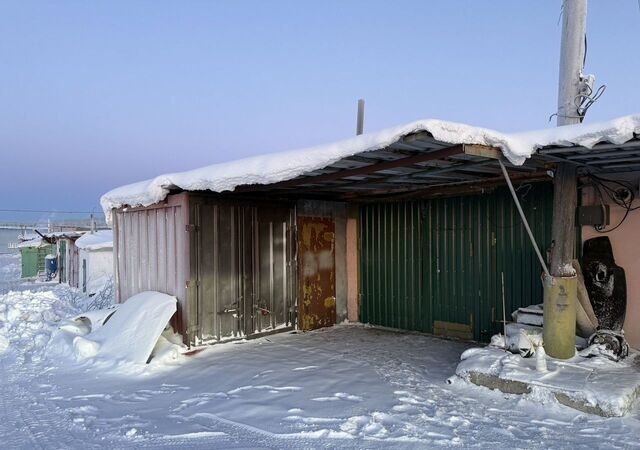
(593, 215)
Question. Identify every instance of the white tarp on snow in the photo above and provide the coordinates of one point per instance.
(132, 331)
(272, 168)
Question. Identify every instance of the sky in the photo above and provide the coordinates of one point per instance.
(94, 95)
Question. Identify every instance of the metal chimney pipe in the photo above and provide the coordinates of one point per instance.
(360, 120)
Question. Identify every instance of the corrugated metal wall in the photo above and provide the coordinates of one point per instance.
(33, 259)
(241, 269)
(62, 261)
(441, 260)
(73, 265)
(391, 267)
(151, 251)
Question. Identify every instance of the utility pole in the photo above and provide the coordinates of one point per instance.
(572, 54)
(561, 287)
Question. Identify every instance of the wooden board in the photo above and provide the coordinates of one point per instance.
(453, 330)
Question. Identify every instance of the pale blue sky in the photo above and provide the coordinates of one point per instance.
(98, 94)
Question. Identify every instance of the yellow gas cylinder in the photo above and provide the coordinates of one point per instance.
(559, 326)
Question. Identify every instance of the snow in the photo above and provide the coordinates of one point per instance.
(272, 168)
(596, 381)
(344, 387)
(350, 386)
(10, 268)
(32, 243)
(96, 241)
(90, 320)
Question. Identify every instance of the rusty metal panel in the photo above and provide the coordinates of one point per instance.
(316, 262)
(150, 251)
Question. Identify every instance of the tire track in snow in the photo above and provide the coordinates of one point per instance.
(29, 421)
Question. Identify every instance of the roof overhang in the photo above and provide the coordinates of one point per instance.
(419, 159)
(416, 165)
(420, 166)
(605, 158)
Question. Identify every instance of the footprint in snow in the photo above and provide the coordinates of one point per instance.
(264, 372)
(297, 369)
(271, 389)
(199, 400)
(339, 396)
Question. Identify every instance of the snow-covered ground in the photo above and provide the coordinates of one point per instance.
(349, 386)
(10, 269)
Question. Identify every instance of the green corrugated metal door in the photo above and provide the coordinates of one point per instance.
(33, 259)
(458, 261)
(436, 265)
(62, 261)
(29, 257)
(391, 266)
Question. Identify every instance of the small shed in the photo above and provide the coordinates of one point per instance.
(409, 228)
(68, 259)
(33, 253)
(95, 259)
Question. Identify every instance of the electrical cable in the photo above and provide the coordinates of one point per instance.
(50, 211)
(624, 200)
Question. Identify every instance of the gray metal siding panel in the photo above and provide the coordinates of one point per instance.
(150, 249)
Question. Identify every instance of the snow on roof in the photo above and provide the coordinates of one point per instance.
(32, 243)
(275, 167)
(96, 241)
(65, 234)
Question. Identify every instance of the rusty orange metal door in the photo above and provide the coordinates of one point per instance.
(317, 271)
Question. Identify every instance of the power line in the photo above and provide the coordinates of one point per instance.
(50, 211)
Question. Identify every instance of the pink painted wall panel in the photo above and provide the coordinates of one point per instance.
(626, 250)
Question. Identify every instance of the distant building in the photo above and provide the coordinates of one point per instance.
(95, 260)
(68, 265)
(33, 252)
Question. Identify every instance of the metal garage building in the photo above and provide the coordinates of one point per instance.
(404, 230)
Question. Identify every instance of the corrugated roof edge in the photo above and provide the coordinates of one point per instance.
(275, 167)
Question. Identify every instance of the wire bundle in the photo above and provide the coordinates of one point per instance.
(623, 195)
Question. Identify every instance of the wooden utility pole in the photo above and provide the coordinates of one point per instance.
(572, 54)
(560, 289)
